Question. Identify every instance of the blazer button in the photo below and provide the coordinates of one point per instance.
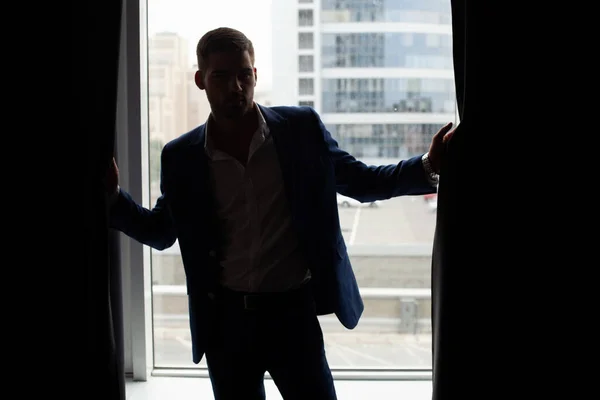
(212, 253)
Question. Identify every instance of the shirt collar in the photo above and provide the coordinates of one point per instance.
(263, 130)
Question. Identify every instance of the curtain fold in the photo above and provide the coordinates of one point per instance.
(475, 263)
(448, 314)
(96, 68)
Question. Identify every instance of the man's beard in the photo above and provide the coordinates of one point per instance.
(237, 110)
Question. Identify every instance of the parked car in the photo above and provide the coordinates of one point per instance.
(431, 201)
(344, 201)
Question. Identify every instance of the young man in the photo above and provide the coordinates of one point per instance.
(251, 197)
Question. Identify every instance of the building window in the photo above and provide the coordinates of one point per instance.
(305, 18)
(306, 86)
(307, 103)
(306, 41)
(306, 63)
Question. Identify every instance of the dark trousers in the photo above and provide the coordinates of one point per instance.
(281, 335)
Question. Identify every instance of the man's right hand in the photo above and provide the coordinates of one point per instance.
(112, 178)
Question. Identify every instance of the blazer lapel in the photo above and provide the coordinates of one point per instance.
(197, 170)
(200, 197)
(282, 139)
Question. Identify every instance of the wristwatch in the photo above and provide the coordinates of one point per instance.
(432, 176)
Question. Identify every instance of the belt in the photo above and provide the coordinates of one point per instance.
(264, 301)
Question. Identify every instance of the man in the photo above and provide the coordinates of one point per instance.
(251, 197)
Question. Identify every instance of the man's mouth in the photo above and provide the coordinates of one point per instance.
(237, 101)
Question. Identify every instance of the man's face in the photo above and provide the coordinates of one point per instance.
(229, 79)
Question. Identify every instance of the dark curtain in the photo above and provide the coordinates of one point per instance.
(476, 264)
(95, 69)
(470, 266)
(445, 253)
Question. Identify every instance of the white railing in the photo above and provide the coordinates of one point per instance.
(419, 249)
(367, 293)
(407, 321)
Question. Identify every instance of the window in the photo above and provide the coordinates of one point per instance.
(306, 63)
(387, 50)
(379, 119)
(305, 18)
(411, 11)
(306, 86)
(306, 41)
(388, 95)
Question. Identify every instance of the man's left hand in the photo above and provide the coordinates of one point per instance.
(438, 146)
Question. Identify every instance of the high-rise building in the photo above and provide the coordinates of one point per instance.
(168, 87)
(379, 72)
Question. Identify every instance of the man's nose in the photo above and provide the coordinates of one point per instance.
(235, 84)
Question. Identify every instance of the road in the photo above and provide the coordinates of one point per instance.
(401, 220)
(344, 350)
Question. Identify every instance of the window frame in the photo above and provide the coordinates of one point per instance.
(132, 137)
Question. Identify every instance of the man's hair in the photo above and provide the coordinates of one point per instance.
(222, 40)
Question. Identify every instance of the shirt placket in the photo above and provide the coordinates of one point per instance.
(253, 218)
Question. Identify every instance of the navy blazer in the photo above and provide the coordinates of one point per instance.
(314, 168)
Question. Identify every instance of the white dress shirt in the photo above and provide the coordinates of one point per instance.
(260, 250)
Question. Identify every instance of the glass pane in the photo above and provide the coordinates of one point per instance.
(389, 241)
(387, 50)
(411, 11)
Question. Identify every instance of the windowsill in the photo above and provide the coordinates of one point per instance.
(188, 388)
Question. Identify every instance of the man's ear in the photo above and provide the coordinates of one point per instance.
(255, 77)
(198, 78)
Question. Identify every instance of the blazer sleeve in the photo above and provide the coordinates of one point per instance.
(154, 227)
(368, 183)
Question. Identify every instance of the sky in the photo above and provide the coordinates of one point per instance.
(192, 18)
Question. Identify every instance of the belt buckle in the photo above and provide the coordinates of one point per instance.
(248, 305)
